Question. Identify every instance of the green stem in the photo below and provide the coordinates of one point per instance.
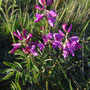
(46, 85)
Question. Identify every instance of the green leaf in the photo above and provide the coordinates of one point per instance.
(61, 15)
(88, 38)
(20, 58)
(35, 67)
(70, 85)
(48, 60)
(9, 64)
(6, 71)
(7, 76)
(12, 7)
(84, 28)
(18, 65)
(18, 86)
(31, 64)
(0, 3)
(13, 86)
(17, 77)
(23, 77)
(62, 70)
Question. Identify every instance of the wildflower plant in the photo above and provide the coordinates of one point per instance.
(49, 15)
(36, 55)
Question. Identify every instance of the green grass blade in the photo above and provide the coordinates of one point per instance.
(62, 15)
(62, 70)
(0, 3)
(70, 85)
(84, 28)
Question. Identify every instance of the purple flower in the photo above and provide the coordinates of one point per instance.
(41, 46)
(45, 2)
(42, 2)
(56, 44)
(50, 15)
(40, 8)
(18, 35)
(38, 17)
(49, 2)
(30, 50)
(28, 37)
(71, 45)
(65, 51)
(61, 33)
(21, 37)
(51, 21)
(34, 43)
(58, 37)
(50, 36)
(47, 37)
(64, 26)
(16, 46)
(74, 41)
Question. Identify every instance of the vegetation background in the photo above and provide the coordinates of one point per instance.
(20, 14)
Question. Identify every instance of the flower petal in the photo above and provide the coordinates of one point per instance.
(71, 52)
(38, 7)
(49, 2)
(65, 53)
(19, 34)
(57, 36)
(14, 49)
(45, 39)
(78, 46)
(50, 36)
(34, 53)
(33, 47)
(34, 43)
(42, 2)
(41, 46)
(51, 21)
(24, 50)
(38, 17)
(28, 37)
(52, 13)
(16, 44)
(61, 33)
(74, 39)
(15, 34)
(64, 26)
(69, 29)
(58, 44)
(24, 33)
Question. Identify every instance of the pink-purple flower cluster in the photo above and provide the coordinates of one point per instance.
(69, 45)
(56, 40)
(25, 44)
(49, 15)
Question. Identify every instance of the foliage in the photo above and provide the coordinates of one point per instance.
(49, 69)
